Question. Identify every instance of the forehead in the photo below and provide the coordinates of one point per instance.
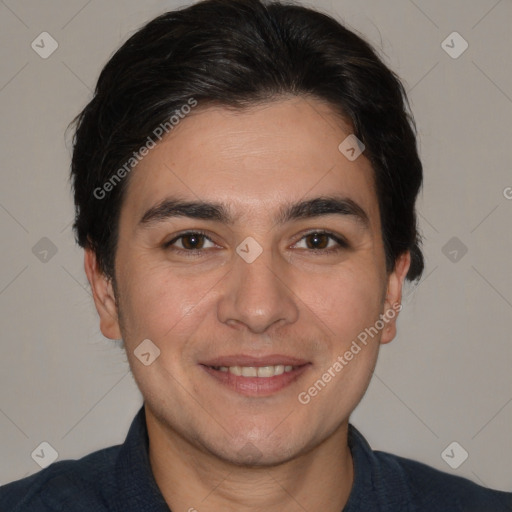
(254, 160)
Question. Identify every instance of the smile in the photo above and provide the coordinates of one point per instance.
(256, 371)
(256, 378)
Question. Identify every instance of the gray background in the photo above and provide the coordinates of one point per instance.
(445, 378)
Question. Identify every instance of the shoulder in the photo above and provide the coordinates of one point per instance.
(431, 489)
(56, 487)
(384, 481)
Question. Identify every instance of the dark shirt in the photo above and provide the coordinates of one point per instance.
(119, 478)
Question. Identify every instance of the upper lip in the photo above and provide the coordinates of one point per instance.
(257, 361)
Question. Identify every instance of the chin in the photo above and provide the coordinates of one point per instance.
(252, 455)
(268, 448)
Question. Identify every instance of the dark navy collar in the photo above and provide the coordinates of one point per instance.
(119, 478)
(136, 485)
(137, 488)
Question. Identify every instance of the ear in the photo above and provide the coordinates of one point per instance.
(392, 304)
(104, 297)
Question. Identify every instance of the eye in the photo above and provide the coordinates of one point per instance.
(316, 241)
(189, 242)
(322, 242)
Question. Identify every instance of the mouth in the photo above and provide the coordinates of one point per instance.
(263, 372)
(256, 377)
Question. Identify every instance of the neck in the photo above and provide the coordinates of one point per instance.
(192, 479)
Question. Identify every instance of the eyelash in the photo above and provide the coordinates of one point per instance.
(342, 244)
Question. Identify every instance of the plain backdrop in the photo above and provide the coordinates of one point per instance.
(447, 376)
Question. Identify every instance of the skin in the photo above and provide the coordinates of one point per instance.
(291, 300)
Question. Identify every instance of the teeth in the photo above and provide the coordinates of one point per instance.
(235, 370)
(255, 371)
(249, 371)
(279, 369)
(270, 371)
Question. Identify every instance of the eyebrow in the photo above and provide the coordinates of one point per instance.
(219, 212)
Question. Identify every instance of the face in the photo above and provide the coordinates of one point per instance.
(250, 254)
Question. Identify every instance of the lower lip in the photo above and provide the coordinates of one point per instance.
(256, 386)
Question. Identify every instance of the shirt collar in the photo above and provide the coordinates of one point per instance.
(137, 489)
(136, 486)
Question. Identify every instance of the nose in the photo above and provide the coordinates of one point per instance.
(257, 295)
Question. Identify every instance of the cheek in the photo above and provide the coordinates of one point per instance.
(346, 306)
(161, 304)
(346, 302)
(160, 307)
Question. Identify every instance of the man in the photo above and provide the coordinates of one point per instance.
(245, 181)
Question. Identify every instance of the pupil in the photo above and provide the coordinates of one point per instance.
(318, 239)
(191, 241)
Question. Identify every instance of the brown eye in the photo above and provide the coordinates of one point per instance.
(322, 242)
(317, 240)
(189, 242)
(192, 241)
